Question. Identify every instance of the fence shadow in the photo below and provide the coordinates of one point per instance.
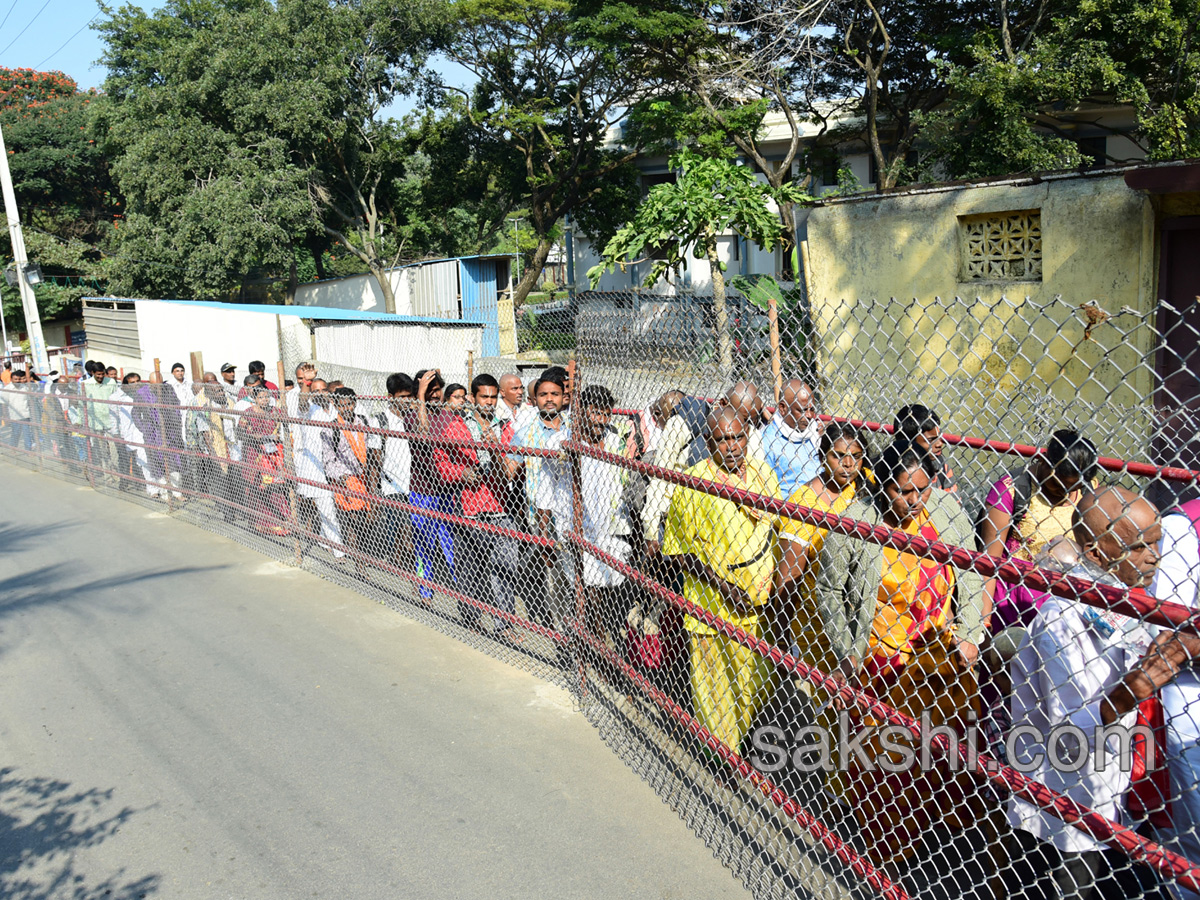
(44, 823)
(771, 856)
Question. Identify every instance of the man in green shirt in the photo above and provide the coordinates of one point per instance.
(101, 421)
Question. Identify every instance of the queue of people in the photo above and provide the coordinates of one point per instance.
(936, 643)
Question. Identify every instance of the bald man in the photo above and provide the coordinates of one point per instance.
(1081, 670)
(726, 553)
(792, 442)
(511, 405)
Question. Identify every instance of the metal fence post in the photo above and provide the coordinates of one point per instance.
(577, 557)
(87, 442)
(289, 456)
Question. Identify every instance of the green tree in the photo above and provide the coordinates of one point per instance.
(889, 58)
(1015, 103)
(550, 96)
(731, 65)
(242, 128)
(711, 196)
(59, 173)
(64, 191)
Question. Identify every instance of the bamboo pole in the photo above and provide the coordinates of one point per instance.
(289, 466)
(776, 356)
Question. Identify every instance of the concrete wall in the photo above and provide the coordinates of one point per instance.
(358, 292)
(171, 331)
(1007, 358)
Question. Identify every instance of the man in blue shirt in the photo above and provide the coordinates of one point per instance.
(792, 441)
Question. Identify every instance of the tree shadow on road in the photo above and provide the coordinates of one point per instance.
(52, 584)
(44, 824)
(15, 537)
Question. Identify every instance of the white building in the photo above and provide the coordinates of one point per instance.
(469, 288)
(361, 348)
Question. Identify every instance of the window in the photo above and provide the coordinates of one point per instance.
(1095, 152)
(829, 172)
(656, 178)
(1001, 246)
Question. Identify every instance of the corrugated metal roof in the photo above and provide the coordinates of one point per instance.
(322, 313)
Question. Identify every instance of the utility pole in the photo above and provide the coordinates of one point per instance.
(33, 322)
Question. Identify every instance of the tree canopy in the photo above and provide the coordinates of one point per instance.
(65, 193)
(241, 129)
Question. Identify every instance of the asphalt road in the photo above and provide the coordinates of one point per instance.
(180, 717)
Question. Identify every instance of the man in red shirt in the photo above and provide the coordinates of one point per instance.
(487, 561)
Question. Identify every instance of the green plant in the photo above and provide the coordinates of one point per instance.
(794, 322)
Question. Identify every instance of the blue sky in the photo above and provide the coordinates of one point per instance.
(55, 34)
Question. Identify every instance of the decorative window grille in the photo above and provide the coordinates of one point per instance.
(1002, 247)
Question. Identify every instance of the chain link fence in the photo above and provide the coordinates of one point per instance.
(899, 601)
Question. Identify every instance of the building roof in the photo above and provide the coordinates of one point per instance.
(320, 313)
(414, 264)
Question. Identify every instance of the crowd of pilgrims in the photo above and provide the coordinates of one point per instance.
(930, 640)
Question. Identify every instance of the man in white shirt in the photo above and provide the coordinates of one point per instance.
(511, 405)
(537, 583)
(1079, 671)
(18, 412)
(130, 452)
(295, 400)
(791, 443)
(654, 418)
(229, 381)
(181, 385)
(316, 501)
(605, 517)
(395, 472)
(1178, 581)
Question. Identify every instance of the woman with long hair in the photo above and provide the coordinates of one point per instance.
(844, 457)
(1028, 508)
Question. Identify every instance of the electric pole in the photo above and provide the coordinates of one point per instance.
(33, 322)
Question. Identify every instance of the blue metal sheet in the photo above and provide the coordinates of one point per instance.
(480, 298)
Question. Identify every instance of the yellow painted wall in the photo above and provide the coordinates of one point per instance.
(1006, 360)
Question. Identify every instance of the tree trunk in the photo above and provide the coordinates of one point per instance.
(789, 252)
(318, 253)
(533, 272)
(289, 298)
(882, 172)
(385, 285)
(724, 340)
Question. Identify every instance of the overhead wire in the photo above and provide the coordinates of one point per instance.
(7, 14)
(26, 28)
(67, 41)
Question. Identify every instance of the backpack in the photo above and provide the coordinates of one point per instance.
(976, 507)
